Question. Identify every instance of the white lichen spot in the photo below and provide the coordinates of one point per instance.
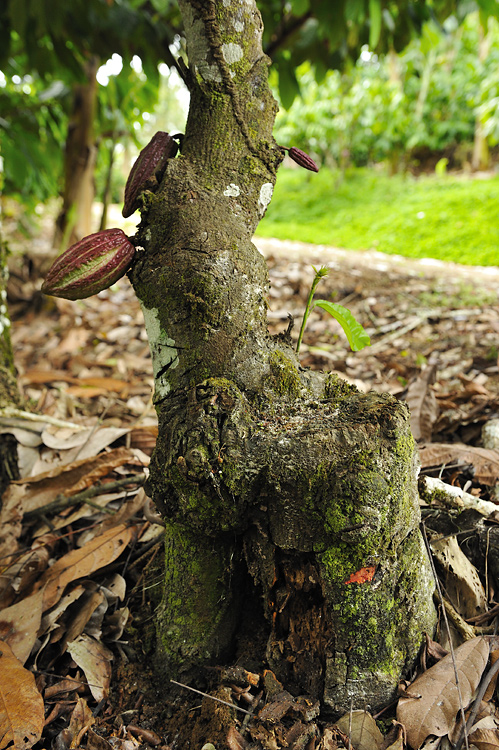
(209, 72)
(226, 3)
(265, 195)
(163, 353)
(232, 190)
(239, 26)
(148, 235)
(232, 52)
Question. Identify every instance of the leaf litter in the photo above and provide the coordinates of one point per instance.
(78, 536)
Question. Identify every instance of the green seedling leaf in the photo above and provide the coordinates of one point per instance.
(355, 333)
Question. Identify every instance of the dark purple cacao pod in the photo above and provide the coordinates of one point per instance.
(303, 159)
(150, 164)
(91, 265)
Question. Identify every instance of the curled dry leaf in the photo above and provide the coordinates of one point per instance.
(21, 705)
(462, 582)
(434, 711)
(95, 660)
(422, 404)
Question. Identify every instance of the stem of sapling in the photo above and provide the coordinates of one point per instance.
(357, 337)
(319, 274)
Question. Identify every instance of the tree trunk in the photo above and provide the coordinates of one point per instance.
(9, 393)
(278, 485)
(75, 218)
(481, 156)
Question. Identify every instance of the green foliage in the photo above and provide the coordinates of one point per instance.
(430, 217)
(386, 108)
(32, 131)
(329, 34)
(356, 335)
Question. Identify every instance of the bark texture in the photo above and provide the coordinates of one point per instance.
(270, 477)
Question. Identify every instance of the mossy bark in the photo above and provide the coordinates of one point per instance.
(264, 472)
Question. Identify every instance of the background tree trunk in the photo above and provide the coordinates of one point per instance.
(75, 218)
(279, 485)
(481, 156)
(9, 393)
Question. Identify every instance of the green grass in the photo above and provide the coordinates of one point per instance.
(446, 217)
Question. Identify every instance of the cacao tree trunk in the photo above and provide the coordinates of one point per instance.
(75, 218)
(278, 485)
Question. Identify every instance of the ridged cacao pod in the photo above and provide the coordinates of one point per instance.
(303, 159)
(91, 265)
(150, 164)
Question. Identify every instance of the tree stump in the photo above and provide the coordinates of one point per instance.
(317, 499)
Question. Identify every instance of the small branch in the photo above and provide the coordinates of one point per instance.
(286, 27)
(11, 413)
(212, 697)
(447, 627)
(62, 501)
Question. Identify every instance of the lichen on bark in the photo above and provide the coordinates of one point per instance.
(267, 475)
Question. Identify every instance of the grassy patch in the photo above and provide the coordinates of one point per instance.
(449, 218)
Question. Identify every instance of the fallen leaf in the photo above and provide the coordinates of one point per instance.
(21, 706)
(422, 404)
(78, 563)
(95, 660)
(462, 582)
(20, 623)
(484, 460)
(434, 707)
(361, 729)
(42, 489)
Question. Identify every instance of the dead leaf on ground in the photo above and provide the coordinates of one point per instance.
(462, 582)
(21, 705)
(484, 461)
(20, 623)
(361, 729)
(435, 705)
(38, 491)
(95, 660)
(81, 562)
(420, 399)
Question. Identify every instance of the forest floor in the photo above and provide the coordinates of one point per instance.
(74, 582)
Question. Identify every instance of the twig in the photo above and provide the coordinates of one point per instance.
(10, 411)
(486, 680)
(451, 647)
(206, 695)
(62, 501)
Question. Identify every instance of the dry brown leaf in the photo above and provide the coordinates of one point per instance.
(462, 582)
(96, 742)
(78, 563)
(11, 515)
(75, 627)
(422, 404)
(485, 461)
(68, 480)
(434, 711)
(95, 660)
(20, 623)
(81, 720)
(361, 729)
(485, 737)
(21, 705)
(20, 575)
